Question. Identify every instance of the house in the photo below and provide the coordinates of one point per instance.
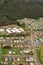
(14, 41)
(18, 59)
(29, 59)
(8, 31)
(21, 29)
(27, 51)
(10, 52)
(13, 31)
(31, 63)
(6, 59)
(22, 38)
(2, 30)
(13, 52)
(16, 30)
(5, 44)
(10, 58)
(11, 45)
(21, 52)
(1, 62)
(1, 38)
(5, 63)
(14, 59)
(13, 63)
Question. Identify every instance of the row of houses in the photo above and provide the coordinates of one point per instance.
(22, 45)
(12, 30)
(11, 39)
(18, 59)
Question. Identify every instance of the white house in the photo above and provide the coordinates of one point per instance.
(27, 51)
(2, 30)
(8, 31)
(31, 63)
(21, 29)
(16, 30)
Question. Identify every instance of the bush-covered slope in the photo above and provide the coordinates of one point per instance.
(11, 10)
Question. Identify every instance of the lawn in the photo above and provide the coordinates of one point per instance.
(2, 34)
(15, 49)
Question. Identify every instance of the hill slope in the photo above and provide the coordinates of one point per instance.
(11, 10)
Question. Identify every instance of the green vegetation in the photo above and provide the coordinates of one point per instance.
(6, 51)
(3, 34)
(11, 10)
(40, 54)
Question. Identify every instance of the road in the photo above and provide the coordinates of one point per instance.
(35, 56)
(34, 47)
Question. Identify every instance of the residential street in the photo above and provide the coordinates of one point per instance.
(35, 57)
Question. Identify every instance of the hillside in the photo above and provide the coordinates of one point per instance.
(11, 10)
